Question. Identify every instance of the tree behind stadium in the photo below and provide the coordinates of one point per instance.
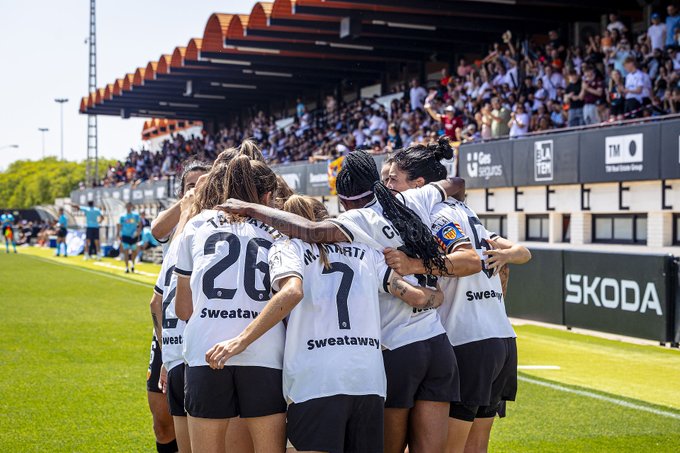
(28, 183)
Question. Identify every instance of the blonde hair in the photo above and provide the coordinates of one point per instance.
(309, 208)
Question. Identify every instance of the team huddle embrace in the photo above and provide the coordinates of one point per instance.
(281, 329)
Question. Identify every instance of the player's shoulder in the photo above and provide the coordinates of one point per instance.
(263, 230)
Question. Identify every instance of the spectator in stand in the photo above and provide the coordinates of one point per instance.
(656, 33)
(616, 95)
(417, 95)
(500, 117)
(672, 22)
(633, 89)
(448, 120)
(463, 69)
(593, 90)
(574, 98)
(552, 80)
(519, 122)
(445, 80)
(616, 25)
(556, 114)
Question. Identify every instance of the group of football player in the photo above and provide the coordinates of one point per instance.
(278, 328)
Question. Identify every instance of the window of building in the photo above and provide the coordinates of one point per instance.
(566, 228)
(620, 228)
(676, 229)
(495, 224)
(538, 227)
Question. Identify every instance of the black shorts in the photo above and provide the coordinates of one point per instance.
(62, 233)
(337, 424)
(175, 391)
(425, 370)
(92, 233)
(488, 378)
(155, 363)
(130, 240)
(246, 391)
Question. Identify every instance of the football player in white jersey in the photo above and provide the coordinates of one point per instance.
(473, 313)
(333, 377)
(158, 404)
(223, 284)
(419, 361)
(163, 226)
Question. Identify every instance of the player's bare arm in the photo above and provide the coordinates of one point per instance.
(463, 261)
(162, 226)
(156, 307)
(278, 307)
(505, 252)
(183, 304)
(454, 187)
(415, 296)
(287, 223)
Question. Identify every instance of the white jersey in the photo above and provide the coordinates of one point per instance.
(333, 338)
(227, 263)
(473, 307)
(172, 342)
(401, 323)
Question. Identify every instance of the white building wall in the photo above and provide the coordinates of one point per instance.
(641, 197)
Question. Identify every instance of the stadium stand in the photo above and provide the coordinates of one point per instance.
(553, 81)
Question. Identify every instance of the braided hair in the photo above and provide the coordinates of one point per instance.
(360, 175)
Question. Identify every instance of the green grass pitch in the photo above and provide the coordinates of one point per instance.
(75, 348)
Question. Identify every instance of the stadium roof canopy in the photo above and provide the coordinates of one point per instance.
(290, 47)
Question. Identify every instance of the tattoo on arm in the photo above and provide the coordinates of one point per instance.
(399, 287)
(430, 302)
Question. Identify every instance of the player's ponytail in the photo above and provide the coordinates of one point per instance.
(424, 160)
(308, 208)
(249, 180)
(359, 178)
(240, 181)
(250, 149)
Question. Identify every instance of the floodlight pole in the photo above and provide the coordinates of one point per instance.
(42, 131)
(61, 102)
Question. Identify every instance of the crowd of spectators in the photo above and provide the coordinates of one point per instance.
(520, 86)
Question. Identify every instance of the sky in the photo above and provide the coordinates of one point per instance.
(45, 56)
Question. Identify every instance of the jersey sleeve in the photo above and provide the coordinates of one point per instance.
(357, 228)
(349, 222)
(285, 260)
(383, 272)
(447, 230)
(185, 260)
(424, 199)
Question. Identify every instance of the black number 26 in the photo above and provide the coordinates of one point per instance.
(251, 264)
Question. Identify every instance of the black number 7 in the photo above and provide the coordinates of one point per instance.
(343, 291)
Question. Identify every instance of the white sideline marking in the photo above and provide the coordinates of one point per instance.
(538, 367)
(597, 396)
(118, 268)
(101, 274)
